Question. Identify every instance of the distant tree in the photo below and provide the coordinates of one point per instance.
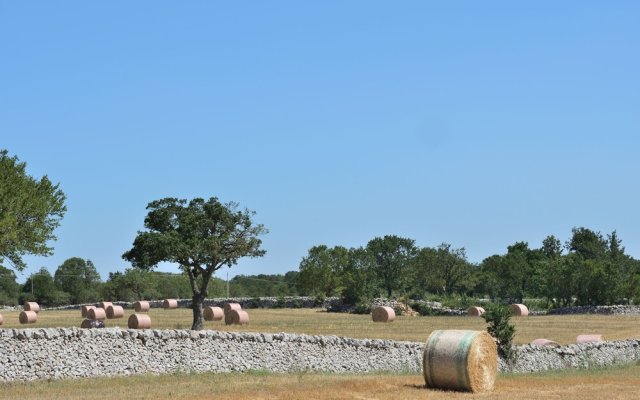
(40, 287)
(201, 236)
(551, 247)
(321, 270)
(359, 280)
(392, 255)
(30, 210)
(9, 288)
(587, 244)
(516, 273)
(79, 278)
(442, 270)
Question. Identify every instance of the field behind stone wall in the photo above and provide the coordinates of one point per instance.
(561, 328)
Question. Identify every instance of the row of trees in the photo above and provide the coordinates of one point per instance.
(76, 281)
(589, 269)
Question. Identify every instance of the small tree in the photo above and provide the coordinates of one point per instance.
(201, 236)
(498, 317)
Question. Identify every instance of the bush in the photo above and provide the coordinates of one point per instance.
(362, 307)
(280, 303)
(459, 302)
(319, 300)
(498, 317)
(423, 309)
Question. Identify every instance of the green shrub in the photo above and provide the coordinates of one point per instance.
(498, 317)
(362, 307)
(319, 300)
(459, 302)
(423, 309)
(280, 303)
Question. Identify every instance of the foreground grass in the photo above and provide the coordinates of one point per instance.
(561, 328)
(617, 383)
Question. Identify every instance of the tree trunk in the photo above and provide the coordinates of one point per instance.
(196, 306)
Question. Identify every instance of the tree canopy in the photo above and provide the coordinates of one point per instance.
(200, 236)
(30, 210)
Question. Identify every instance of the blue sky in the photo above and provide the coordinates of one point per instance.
(473, 124)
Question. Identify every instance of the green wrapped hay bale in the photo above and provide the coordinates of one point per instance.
(460, 360)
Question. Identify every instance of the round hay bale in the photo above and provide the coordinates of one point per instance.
(460, 360)
(104, 304)
(231, 306)
(28, 317)
(237, 317)
(139, 321)
(85, 310)
(545, 342)
(594, 338)
(227, 311)
(519, 310)
(383, 314)
(141, 306)
(91, 323)
(475, 311)
(97, 313)
(32, 306)
(170, 304)
(213, 314)
(1, 319)
(115, 312)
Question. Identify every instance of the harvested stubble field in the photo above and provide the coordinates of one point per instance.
(561, 328)
(612, 384)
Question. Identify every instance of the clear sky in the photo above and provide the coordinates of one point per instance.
(473, 123)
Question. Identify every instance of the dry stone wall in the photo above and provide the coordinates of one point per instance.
(55, 353)
(28, 354)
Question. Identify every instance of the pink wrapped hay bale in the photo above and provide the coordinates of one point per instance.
(545, 342)
(213, 314)
(141, 306)
(475, 311)
(32, 306)
(519, 310)
(236, 317)
(85, 310)
(383, 314)
(227, 311)
(28, 317)
(170, 304)
(104, 304)
(97, 313)
(595, 338)
(139, 321)
(115, 312)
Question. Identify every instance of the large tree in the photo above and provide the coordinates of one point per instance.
(200, 236)
(30, 210)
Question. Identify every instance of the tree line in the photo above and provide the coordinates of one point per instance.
(589, 269)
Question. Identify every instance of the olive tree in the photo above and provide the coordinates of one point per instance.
(200, 236)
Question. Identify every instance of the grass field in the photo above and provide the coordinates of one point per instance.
(612, 384)
(562, 328)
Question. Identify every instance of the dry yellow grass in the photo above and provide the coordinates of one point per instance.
(613, 384)
(562, 329)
